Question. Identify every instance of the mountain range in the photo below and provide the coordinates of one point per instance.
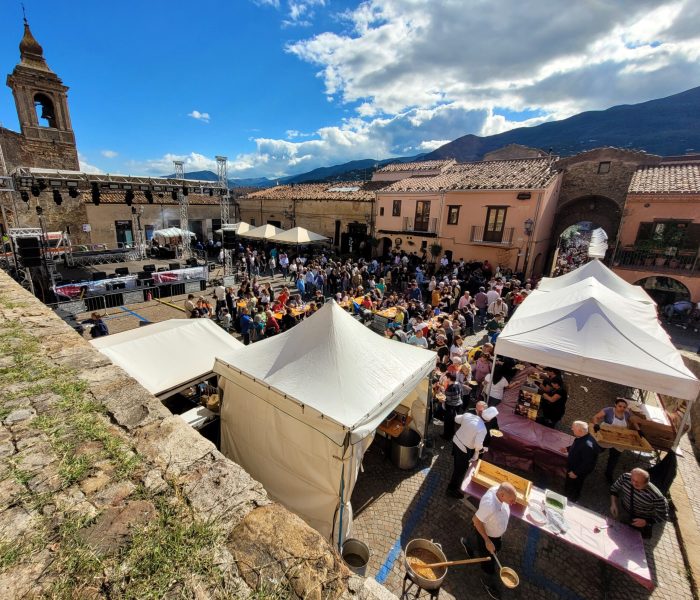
(666, 126)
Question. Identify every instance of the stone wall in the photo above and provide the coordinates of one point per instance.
(104, 493)
(21, 152)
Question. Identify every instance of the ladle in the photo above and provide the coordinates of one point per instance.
(508, 576)
(452, 563)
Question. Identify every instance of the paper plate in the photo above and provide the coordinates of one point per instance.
(496, 433)
(537, 515)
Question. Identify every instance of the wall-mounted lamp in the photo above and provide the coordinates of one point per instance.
(529, 226)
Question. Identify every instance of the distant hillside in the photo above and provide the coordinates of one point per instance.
(211, 176)
(667, 126)
(355, 170)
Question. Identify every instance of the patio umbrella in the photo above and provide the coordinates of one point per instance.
(298, 236)
(264, 232)
(239, 228)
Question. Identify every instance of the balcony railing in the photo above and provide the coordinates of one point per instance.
(480, 235)
(682, 263)
(420, 226)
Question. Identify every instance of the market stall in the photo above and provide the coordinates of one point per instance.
(300, 409)
(264, 232)
(171, 236)
(169, 356)
(238, 228)
(299, 236)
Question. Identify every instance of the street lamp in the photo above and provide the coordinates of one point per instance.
(529, 226)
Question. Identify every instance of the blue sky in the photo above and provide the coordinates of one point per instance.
(284, 86)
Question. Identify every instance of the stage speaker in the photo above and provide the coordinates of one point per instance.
(29, 250)
(229, 240)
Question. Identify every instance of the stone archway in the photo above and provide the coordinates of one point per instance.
(600, 210)
(664, 290)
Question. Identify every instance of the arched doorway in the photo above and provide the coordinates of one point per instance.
(578, 244)
(664, 290)
(385, 244)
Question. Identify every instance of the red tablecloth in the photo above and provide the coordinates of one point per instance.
(620, 545)
(526, 443)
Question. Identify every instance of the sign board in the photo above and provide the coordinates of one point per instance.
(132, 297)
(192, 286)
(87, 228)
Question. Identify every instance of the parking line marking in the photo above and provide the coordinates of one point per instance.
(431, 482)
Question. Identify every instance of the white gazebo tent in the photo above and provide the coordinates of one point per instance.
(169, 356)
(591, 330)
(171, 236)
(298, 236)
(601, 273)
(300, 409)
(238, 228)
(264, 232)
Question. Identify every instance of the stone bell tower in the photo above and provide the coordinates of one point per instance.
(47, 138)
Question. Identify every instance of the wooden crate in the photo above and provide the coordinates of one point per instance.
(621, 438)
(489, 475)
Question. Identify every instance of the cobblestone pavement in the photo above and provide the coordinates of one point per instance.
(392, 507)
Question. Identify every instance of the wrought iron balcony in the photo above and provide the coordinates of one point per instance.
(480, 235)
(683, 262)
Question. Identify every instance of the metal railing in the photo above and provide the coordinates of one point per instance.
(480, 235)
(683, 262)
(422, 225)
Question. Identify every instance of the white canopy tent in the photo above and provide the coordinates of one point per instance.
(298, 236)
(591, 330)
(601, 273)
(598, 245)
(170, 236)
(264, 232)
(300, 409)
(239, 228)
(169, 356)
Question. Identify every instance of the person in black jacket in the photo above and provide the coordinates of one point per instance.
(583, 454)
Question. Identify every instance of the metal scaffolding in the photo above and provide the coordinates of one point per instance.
(139, 242)
(222, 172)
(184, 209)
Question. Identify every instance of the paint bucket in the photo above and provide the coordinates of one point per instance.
(355, 555)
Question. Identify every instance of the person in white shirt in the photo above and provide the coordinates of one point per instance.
(490, 523)
(498, 308)
(467, 442)
(418, 339)
(496, 389)
(491, 296)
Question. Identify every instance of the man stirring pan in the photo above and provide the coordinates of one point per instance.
(490, 523)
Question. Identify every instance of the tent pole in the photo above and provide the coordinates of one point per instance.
(493, 370)
(346, 443)
(681, 427)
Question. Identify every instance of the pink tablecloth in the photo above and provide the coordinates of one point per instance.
(526, 443)
(620, 545)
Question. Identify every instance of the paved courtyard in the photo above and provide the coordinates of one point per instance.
(392, 507)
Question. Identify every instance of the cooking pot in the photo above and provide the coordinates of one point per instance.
(436, 550)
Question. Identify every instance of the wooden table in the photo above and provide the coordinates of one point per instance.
(620, 545)
(395, 427)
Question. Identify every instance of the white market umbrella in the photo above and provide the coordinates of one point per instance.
(264, 232)
(298, 236)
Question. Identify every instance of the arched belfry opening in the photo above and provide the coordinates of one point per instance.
(45, 111)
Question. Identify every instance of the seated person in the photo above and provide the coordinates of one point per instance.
(638, 502)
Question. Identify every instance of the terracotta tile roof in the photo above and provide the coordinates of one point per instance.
(426, 165)
(666, 179)
(117, 197)
(516, 174)
(356, 191)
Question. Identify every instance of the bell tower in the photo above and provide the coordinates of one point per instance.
(42, 107)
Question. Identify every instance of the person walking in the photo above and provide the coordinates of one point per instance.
(467, 443)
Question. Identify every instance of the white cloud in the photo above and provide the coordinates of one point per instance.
(85, 167)
(109, 153)
(430, 145)
(199, 116)
(298, 13)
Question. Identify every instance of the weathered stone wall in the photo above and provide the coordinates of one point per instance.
(104, 493)
(69, 216)
(21, 152)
